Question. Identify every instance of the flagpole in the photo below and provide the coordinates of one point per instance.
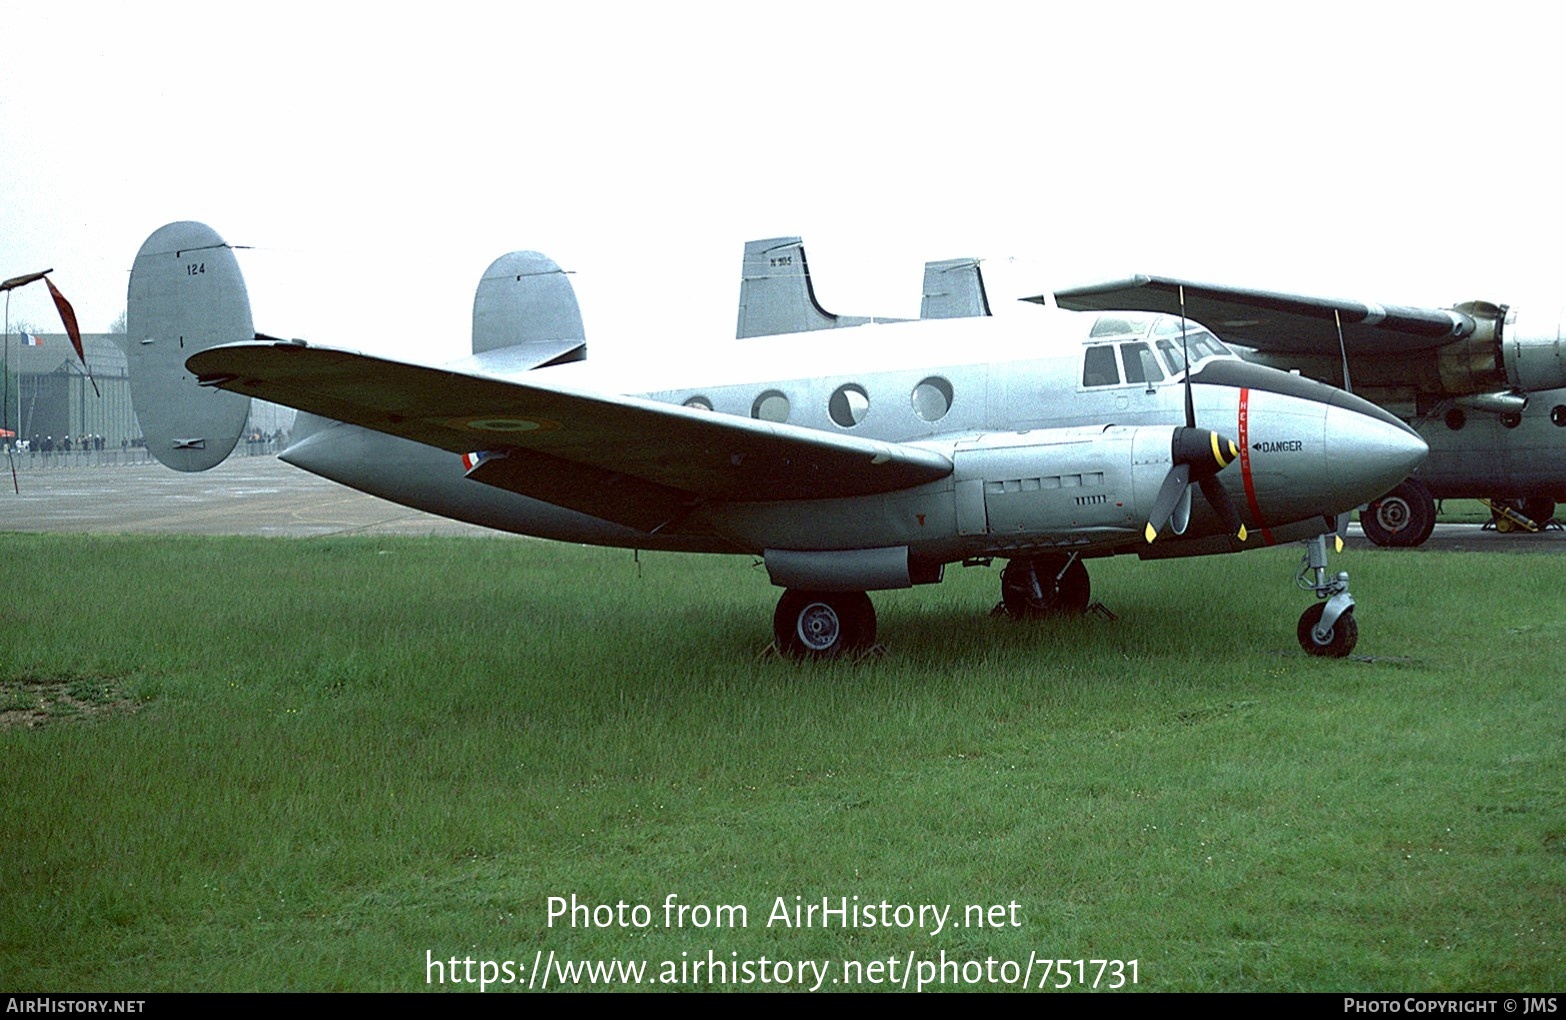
(11, 447)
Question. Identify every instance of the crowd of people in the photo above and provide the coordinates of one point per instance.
(90, 448)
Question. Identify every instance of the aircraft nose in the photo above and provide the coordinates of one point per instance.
(1368, 455)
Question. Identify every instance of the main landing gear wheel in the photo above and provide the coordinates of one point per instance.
(823, 624)
(1335, 642)
(1403, 517)
(1045, 585)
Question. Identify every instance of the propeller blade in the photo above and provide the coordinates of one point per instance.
(1185, 355)
(1190, 406)
(1169, 494)
(1218, 498)
(1181, 519)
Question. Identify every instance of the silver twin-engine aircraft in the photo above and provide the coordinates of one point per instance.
(1044, 441)
(1481, 384)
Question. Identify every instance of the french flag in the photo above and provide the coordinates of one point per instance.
(29, 340)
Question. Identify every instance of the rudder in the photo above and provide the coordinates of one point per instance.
(776, 295)
(953, 289)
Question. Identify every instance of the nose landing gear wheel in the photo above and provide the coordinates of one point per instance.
(1336, 642)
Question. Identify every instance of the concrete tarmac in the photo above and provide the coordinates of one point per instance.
(263, 496)
(1475, 538)
(242, 496)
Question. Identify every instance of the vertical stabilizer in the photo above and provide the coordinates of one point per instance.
(953, 289)
(186, 294)
(525, 300)
(776, 295)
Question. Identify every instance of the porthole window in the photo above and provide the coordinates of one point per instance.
(770, 406)
(932, 398)
(848, 405)
(1511, 419)
(1558, 415)
(1456, 419)
(699, 403)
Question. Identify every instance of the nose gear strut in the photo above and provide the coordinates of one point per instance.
(1326, 628)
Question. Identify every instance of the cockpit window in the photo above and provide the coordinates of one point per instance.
(1205, 343)
(1172, 356)
(1199, 342)
(1136, 356)
(1098, 367)
(1119, 324)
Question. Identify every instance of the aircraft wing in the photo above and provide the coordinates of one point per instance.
(633, 461)
(1283, 323)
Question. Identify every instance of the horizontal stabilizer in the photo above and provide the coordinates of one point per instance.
(623, 459)
(186, 295)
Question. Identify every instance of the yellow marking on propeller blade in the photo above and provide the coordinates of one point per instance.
(1337, 540)
(1151, 532)
(1243, 533)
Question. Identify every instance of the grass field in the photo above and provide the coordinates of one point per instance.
(235, 764)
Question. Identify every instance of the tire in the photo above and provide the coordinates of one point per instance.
(823, 625)
(1340, 640)
(1402, 518)
(1070, 595)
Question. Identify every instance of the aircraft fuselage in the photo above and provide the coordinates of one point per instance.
(1042, 460)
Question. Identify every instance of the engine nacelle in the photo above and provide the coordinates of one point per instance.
(1506, 355)
(1087, 484)
(1080, 488)
(1533, 353)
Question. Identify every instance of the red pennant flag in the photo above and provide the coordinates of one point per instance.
(68, 317)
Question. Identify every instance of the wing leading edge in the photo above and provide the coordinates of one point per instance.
(1284, 323)
(625, 459)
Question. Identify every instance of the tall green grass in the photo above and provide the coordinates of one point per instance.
(314, 761)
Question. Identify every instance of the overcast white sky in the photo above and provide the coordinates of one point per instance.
(378, 157)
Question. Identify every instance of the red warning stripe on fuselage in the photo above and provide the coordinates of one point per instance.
(1245, 462)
